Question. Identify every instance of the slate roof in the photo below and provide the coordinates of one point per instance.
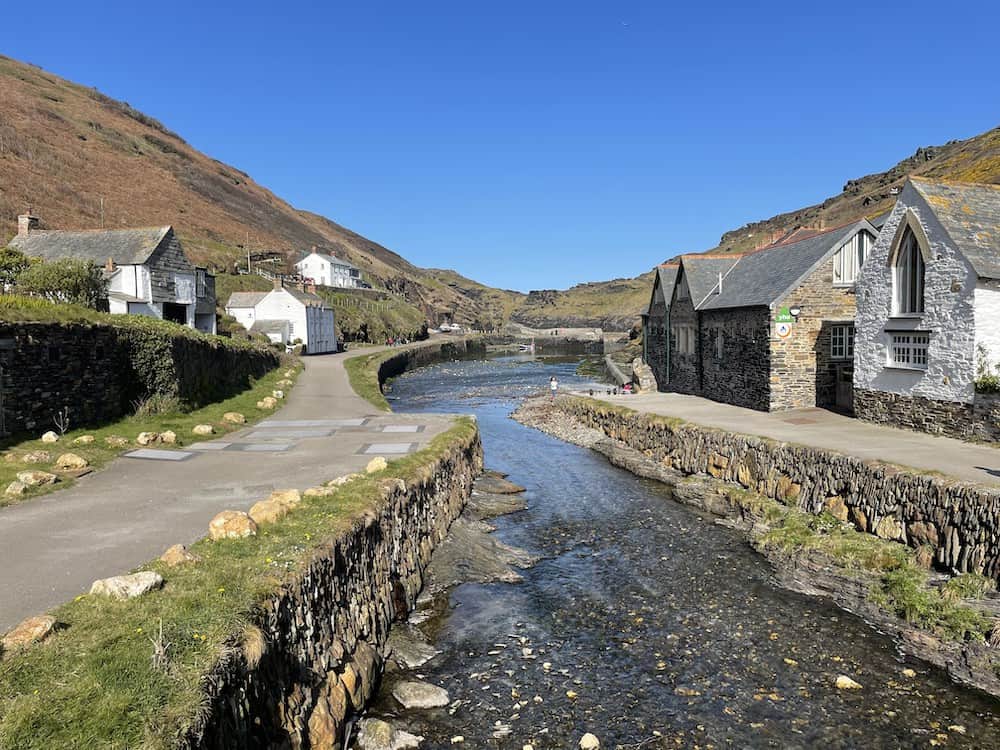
(306, 298)
(269, 326)
(245, 299)
(763, 277)
(702, 273)
(126, 247)
(970, 214)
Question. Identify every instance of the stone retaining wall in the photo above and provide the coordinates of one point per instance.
(418, 356)
(959, 521)
(315, 653)
(979, 420)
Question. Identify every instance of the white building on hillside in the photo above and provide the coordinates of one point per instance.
(286, 315)
(328, 270)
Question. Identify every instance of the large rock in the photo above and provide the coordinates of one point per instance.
(71, 462)
(889, 528)
(36, 478)
(16, 489)
(377, 464)
(234, 417)
(319, 492)
(33, 457)
(415, 694)
(178, 554)
(289, 498)
(147, 438)
(203, 429)
(340, 481)
(268, 402)
(408, 649)
(29, 631)
(116, 441)
(589, 742)
(84, 440)
(129, 586)
(169, 437)
(50, 437)
(278, 394)
(846, 683)
(231, 524)
(642, 376)
(376, 734)
(268, 511)
(497, 486)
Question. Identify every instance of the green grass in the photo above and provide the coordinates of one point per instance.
(362, 371)
(92, 683)
(99, 453)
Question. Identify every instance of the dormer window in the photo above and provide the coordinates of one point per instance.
(850, 257)
(908, 277)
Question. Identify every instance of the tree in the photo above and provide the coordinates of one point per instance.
(12, 263)
(68, 280)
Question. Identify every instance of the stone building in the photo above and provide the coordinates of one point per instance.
(146, 269)
(656, 323)
(929, 312)
(771, 329)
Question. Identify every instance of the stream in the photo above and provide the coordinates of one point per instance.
(644, 622)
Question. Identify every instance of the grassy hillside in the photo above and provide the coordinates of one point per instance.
(74, 155)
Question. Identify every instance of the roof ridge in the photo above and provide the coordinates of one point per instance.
(158, 227)
(819, 233)
(954, 183)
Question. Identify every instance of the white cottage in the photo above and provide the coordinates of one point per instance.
(286, 315)
(929, 312)
(146, 269)
(328, 270)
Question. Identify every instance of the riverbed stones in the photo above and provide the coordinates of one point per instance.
(50, 437)
(36, 478)
(376, 734)
(127, 586)
(377, 464)
(846, 683)
(231, 524)
(497, 486)
(589, 742)
(418, 694)
(178, 554)
(29, 631)
(408, 649)
(203, 429)
(234, 417)
(147, 438)
(71, 462)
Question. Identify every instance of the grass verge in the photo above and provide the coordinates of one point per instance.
(362, 372)
(99, 452)
(93, 683)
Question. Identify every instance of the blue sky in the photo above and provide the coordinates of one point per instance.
(539, 144)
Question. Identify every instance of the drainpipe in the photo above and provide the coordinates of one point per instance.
(666, 333)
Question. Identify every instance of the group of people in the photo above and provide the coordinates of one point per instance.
(625, 390)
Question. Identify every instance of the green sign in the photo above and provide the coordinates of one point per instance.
(783, 316)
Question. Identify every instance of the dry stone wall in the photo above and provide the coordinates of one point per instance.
(418, 356)
(979, 420)
(959, 521)
(315, 652)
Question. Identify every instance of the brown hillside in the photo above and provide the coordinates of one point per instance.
(64, 147)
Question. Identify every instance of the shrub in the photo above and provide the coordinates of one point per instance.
(12, 264)
(68, 280)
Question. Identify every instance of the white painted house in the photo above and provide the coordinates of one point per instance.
(328, 270)
(146, 269)
(287, 315)
(929, 309)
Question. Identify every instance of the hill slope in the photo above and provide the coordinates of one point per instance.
(72, 155)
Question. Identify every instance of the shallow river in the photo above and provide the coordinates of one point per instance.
(667, 627)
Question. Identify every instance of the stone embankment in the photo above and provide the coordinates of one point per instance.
(315, 653)
(412, 357)
(721, 473)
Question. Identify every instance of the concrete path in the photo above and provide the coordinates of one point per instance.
(53, 548)
(825, 429)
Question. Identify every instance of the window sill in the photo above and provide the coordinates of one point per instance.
(906, 316)
(844, 285)
(905, 368)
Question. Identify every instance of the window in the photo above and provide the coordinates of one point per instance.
(685, 338)
(908, 277)
(720, 344)
(909, 350)
(200, 282)
(850, 257)
(842, 342)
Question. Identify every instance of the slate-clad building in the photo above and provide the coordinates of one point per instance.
(771, 329)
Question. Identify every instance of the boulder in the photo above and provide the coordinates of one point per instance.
(642, 376)
(50, 437)
(71, 462)
(32, 457)
(268, 511)
(319, 492)
(147, 438)
(116, 441)
(203, 429)
(589, 742)
(268, 402)
(15, 489)
(376, 464)
(29, 631)
(36, 478)
(496, 486)
(234, 417)
(416, 694)
(846, 683)
(288, 498)
(889, 528)
(278, 394)
(178, 555)
(339, 481)
(923, 532)
(409, 650)
(376, 734)
(84, 440)
(169, 437)
(836, 507)
(231, 524)
(129, 586)
(284, 383)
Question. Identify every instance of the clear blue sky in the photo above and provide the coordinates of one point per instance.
(539, 144)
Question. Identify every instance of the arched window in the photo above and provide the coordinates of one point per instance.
(908, 277)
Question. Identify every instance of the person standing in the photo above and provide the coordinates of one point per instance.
(553, 387)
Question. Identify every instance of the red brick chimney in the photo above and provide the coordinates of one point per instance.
(26, 223)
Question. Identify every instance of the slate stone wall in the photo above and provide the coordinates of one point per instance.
(979, 420)
(320, 652)
(685, 369)
(959, 521)
(657, 339)
(741, 375)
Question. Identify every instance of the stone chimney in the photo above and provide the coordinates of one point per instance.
(26, 223)
(109, 265)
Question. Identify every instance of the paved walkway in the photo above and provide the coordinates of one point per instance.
(825, 429)
(53, 548)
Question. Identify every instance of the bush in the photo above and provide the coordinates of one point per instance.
(12, 264)
(68, 280)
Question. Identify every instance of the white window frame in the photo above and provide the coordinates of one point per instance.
(909, 272)
(849, 259)
(908, 350)
(842, 341)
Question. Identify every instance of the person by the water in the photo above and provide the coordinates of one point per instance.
(553, 386)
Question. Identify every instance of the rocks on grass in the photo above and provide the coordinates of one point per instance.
(231, 524)
(50, 437)
(289, 498)
(31, 457)
(268, 511)
(416, 694)
(36, 478)
(147, 438)
(339, 481)
(377, 464)
(234, 417)
(71, 462)
(278, 394)
(116, 441)
(29, 631)
(320, 492)
(203, 429)
(84, 440)
(268, 402)
(178, 554)
(16, 489)
(128, 586)
(168, 438)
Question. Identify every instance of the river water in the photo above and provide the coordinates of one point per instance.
(667, 627)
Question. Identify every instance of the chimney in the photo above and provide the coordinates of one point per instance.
(26, 223)
(109, 265)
